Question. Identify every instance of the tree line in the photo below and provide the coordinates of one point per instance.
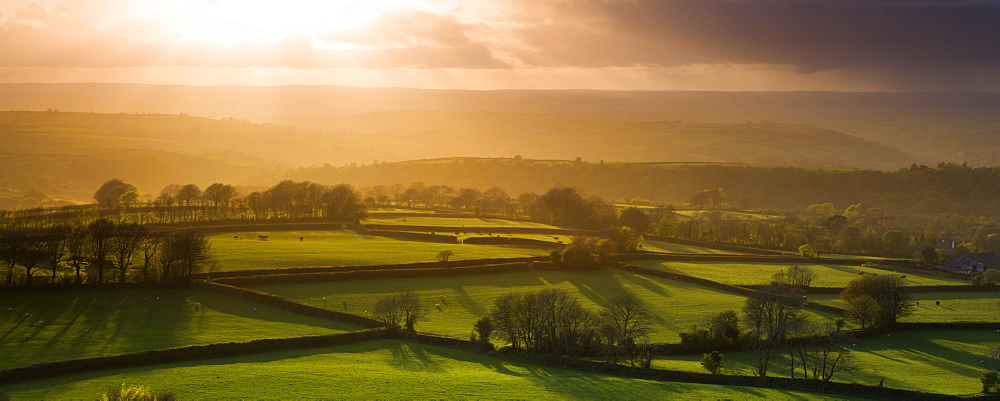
(101, 251)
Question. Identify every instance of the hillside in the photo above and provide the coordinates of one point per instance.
(935, 127)
(943, 189)
(404, 134)
(57, 177)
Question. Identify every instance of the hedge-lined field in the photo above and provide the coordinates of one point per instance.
(122, 321)
(932, 361)
(456, 302)
(669, 247)
(333, 248)
(467, 222)
(760, 273)
(384, 369)
(955, 306)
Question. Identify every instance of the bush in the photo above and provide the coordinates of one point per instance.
(4, 397)
(555, 256)
(136, 393)
(712, 362)
(990, 379)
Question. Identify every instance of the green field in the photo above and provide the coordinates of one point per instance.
(380, 210)
(670, 247)
(932, 361)
(131, 320)
(955, 306)
(467, 222)
(382, 369)
(462, 300)
(334, 248)
(760, 273)
(728, 215)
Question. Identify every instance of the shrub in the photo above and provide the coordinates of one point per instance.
(555, 256)
(712, 362)
(807, 251)
(135, 393)
(483, 330)
(990, 379)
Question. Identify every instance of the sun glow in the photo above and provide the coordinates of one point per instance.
(243, 21)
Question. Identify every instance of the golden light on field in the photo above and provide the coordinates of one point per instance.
(243, 21)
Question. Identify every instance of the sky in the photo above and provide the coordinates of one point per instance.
(729, 45)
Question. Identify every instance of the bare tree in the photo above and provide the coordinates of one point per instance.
(768, 315)
(125, 245)
(55, 246)
(77, 240)
(888, 291)
(101, 233)
(400, 310)
(623, 321)
(801, 276)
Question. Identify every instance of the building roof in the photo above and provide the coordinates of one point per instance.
(990, 259)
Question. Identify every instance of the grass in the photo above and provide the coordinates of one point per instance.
(670, 247)
(455, 303)
(332, 248)
(955, 306)
(760, 273)
(131, 320)
(454, 222)
(932, 361)
(380, 210)
(383, 369)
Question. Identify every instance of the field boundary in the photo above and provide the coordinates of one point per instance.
(286, 304)
(713, 245)
(346, 268)
(386, 274)
(740, 290)
(182, 354)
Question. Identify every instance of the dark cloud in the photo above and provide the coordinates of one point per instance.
(812, 35)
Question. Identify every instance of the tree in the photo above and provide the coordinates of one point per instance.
(77, 241)
(125, 245)
(895, 242)
(625, 320)
(724, 327)
(888, 291)
(444, 255)
(769, 314)
(625, 240)
(579, 253)
(547, 321)
(101, 232)
(482, 331)
(183, 254)
(712, 362)
(220, 194)
(32, 254)
(55, 247)
(990, 380)
(635, 219)
(399, 310)
(188, 193)
(800, 277)
(11, 247)
(863, 310)
(807, 251)
(929, 255)
(112, 192)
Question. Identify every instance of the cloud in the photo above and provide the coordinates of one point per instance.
(810, 35)
(905, 44)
